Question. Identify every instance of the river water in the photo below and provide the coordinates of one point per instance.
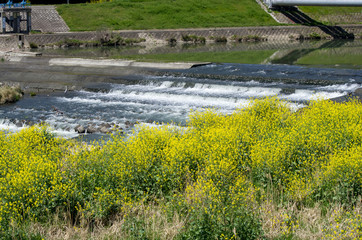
(164, 96)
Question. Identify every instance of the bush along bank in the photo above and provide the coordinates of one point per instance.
(9, 94)
(111, 39)
(262, 172)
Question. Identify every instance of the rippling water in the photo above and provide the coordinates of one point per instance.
(168, 96)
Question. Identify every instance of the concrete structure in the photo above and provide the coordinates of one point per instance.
(13, 19)
(288, 3)
(275, 33)
(46, 19)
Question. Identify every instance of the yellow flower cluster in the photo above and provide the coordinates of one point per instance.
(217, 168)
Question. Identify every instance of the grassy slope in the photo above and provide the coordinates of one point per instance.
(164, 14)
(171, 14)
(327, 14)
(331, 10)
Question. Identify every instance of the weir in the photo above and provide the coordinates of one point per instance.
(288, 3)
(15, 18)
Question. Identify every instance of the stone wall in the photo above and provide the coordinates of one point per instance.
(9, 42)
(277, 33)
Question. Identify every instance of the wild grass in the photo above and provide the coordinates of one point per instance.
(264, 171)
(9, 94)
(163, 14)
(334, 15)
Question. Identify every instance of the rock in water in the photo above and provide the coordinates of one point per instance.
(104, 129)
(92, 129)
(79, 129)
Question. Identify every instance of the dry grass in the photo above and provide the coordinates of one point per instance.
(311, 223)
(287, 222)
(154, 220)
(9, 94)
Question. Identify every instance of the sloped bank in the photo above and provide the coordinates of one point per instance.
(277, 33)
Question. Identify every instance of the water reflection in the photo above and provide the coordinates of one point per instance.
(337, 52)
(292, 56)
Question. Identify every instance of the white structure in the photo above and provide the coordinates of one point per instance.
(340, 3)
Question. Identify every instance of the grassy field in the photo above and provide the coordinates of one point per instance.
(173, 14)
(323, 11)
(334, 15)
(263, 172)
(164, 14)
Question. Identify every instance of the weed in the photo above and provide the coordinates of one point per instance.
(193, 38)
(220, 39)
(262, 172)
(172, 41)
(314, 36)
(33, 45)
(10, 94)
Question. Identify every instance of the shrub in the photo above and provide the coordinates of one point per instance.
(314, 36)
(341, 179)
(33, 45)
(172, 41)
(220, 39)
(10, 94)
(193, 38)
(213, 174)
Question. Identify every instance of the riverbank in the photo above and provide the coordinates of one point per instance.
(272, 33)
(262, 173)
(78, 68)
(177, 14)
(174, 36)
(66, 92)
(9, 94)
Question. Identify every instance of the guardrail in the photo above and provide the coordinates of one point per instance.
(287, 3)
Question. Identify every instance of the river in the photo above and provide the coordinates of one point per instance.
(154, 96)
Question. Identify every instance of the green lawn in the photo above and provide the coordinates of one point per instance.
(164, 14)
(331, 10)
(173, 14)
(334, 15)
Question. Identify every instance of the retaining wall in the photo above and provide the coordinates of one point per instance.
(278, 33)
(9, 42)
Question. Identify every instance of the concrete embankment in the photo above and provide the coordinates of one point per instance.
(276, 33)
(9, 42)
(121, 63)
(42, 74)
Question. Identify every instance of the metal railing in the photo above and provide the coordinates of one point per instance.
(340, 3)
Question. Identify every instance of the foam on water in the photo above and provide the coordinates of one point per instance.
(341, 87)
(8, 126)
(308, 95)
(169, 97)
